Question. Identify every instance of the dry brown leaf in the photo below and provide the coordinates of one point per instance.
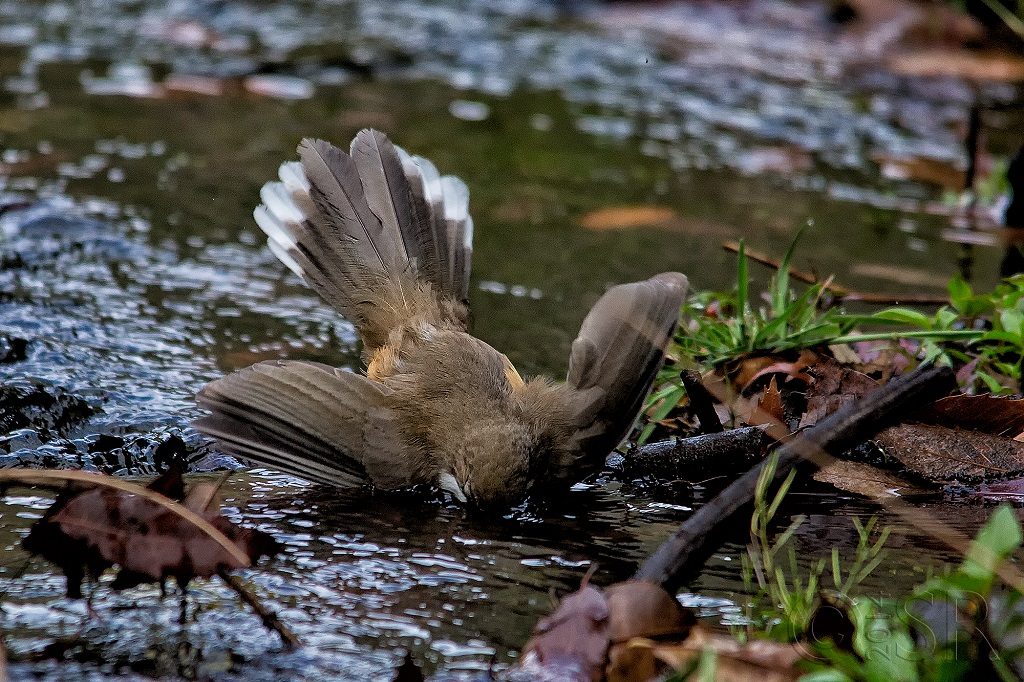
(834, 386)
(864, 479)
(87, 532)
(755, 661)
(573, 641)
(938, 453)
(771, 402)
(990, 414)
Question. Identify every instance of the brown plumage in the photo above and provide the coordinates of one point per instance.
(387, 241)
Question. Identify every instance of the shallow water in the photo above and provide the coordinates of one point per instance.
(136, 136)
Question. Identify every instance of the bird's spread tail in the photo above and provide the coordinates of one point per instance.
(379, 234)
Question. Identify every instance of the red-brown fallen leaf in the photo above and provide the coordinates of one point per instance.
(990, 414)
(751, 369)
(757, 660)
(87, 532)
(834, 386)
(571, 644)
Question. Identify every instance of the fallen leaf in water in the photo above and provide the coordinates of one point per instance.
(87, 532)
(864, 479)
(1012, 490)
(639, 609)
(934, 171)
(628, 217)
(958, 63)
(995, 415)
(194, 85)
(938, 453)
(573, 641)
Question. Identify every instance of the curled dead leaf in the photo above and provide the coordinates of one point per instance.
(571, 644)
(86, 532)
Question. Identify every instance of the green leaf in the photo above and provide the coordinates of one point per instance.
(884, 643)
(996, 541)
(904, 316)
(780, 294)
(959, 292)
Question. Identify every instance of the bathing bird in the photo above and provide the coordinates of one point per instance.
(387, 241)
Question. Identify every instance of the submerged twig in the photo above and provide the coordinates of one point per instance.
(687, 549)
(269, 618)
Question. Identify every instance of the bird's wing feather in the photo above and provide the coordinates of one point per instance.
(310, 420)
(613, 363)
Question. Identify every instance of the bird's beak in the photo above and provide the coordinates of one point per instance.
(448, 483)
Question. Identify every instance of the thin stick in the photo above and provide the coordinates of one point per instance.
(44, 478)
(269, 618)
(701, 401)
(840, 292)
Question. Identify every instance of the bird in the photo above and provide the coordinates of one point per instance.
(387, 241)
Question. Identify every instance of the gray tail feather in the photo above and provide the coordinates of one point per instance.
(616, 357)
(362, 228)
(310, 420)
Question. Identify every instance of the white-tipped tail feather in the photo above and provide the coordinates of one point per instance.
(424, 219)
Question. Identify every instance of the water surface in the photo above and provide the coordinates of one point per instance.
(136, 136)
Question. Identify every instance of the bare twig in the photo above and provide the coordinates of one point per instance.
(837, 291)
(269, 618)
(702, 402)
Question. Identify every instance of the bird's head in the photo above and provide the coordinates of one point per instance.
(492, 468)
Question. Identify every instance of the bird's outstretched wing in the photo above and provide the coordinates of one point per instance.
(613, 363)
(308, 419)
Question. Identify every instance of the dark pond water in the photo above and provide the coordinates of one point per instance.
(135, 136)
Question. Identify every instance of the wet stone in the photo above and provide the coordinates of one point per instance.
(12, 349)
(47, 411)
